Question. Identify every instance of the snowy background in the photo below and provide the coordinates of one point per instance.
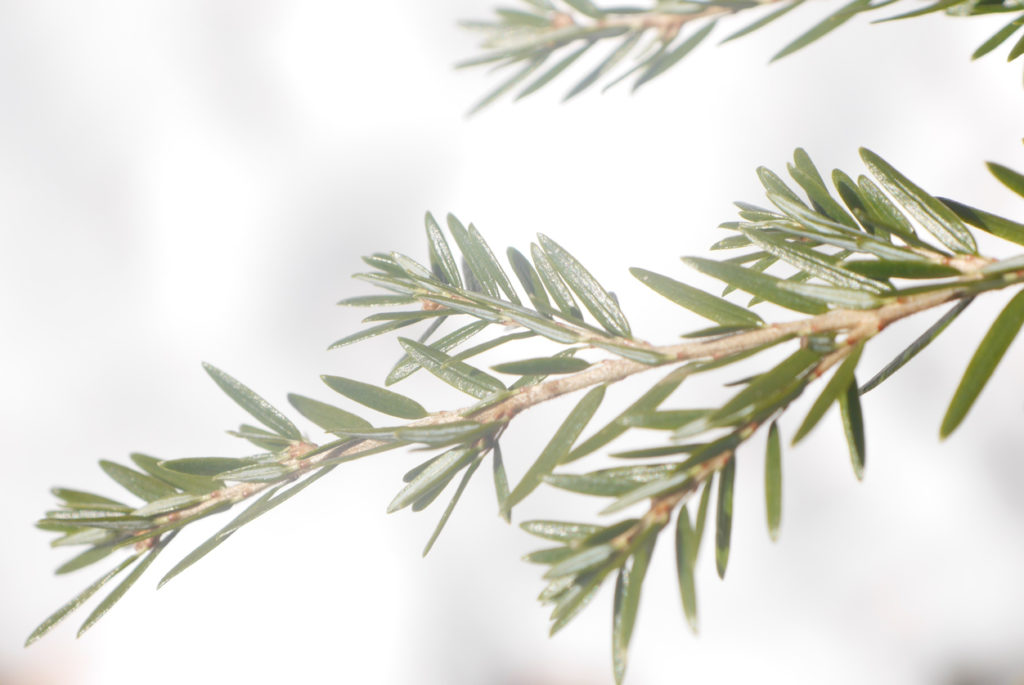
(195, 180)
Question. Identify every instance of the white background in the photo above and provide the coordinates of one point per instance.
(195, 180)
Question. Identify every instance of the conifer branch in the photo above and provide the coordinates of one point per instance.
(850, 254)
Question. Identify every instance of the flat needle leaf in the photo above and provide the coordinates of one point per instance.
(988, 355)
(686, 554)
(460, 375)
(762, 285)
(258, 408)
(558, 447)
(1008, 177)
(853, 427)
(836, 385)
(773, 481)
(451, 505)
(384, 401)
(919, 344)
(117, 593)
(936, 217)
(723, 524)
(332, 419)
(627, 600)
(80, 599)
(827, 25)
(707, 305)
(543, 366)
(594, 297)
(500, 483)
(141, 485)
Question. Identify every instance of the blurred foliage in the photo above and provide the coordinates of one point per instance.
(541, 39)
